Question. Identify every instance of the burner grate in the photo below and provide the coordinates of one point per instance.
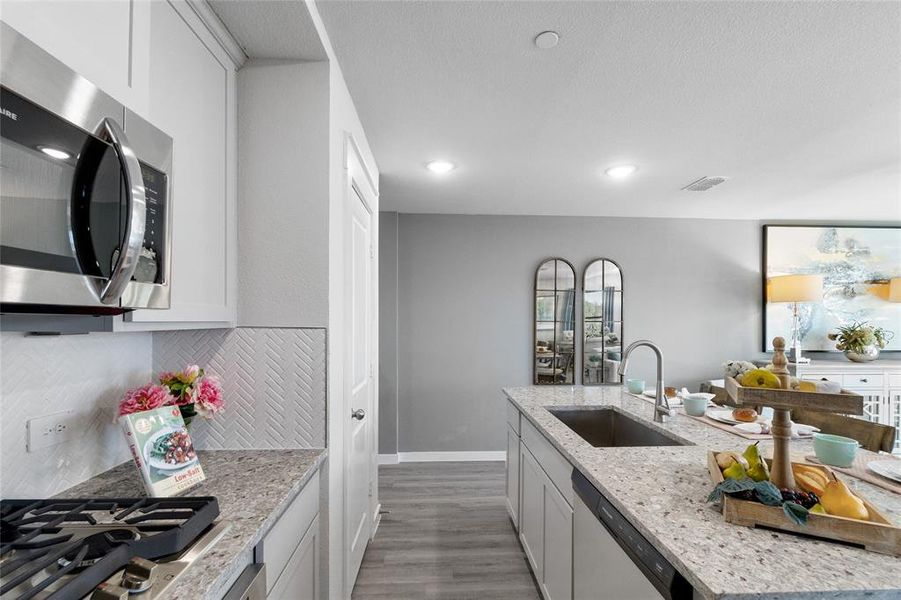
(44, 541)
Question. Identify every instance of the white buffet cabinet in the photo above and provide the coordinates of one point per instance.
(540, 503)
(168, 62)
(879, 382)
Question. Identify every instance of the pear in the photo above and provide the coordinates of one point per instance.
(735, 471)
(757, 467)
(838, 500)
(818, 509)
(726, 459)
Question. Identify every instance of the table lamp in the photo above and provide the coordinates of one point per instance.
(894, 289)
(796, 289)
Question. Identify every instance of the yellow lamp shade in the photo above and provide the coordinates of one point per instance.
(894, 289)
(795, 288)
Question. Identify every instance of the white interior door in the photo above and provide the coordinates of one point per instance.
(359, 385)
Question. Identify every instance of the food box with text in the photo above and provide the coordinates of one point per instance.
(162, 450)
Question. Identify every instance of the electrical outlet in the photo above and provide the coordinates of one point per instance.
(50, 430)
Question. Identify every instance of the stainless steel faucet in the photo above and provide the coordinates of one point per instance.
(661, 404)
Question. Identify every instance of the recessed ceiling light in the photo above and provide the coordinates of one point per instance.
(55, 152)
(547, 39)
(440, 167)
(621, 171)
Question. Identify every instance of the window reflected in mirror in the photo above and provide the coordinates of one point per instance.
(555, 323)
(602, 322)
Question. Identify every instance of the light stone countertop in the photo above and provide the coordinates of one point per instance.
(662, 491)
(253, 487)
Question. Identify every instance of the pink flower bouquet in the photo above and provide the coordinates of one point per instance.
(192, 390)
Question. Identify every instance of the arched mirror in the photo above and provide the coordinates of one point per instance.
(555, 323)
(602, 322)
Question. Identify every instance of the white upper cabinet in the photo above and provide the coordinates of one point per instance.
(192, 98)
(97, 39)
(161, 60)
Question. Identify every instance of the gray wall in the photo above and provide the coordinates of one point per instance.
(388, 332)
(464, 291)
(283, 193)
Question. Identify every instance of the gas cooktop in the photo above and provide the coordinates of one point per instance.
(101, 548)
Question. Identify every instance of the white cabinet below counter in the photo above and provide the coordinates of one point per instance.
(545, 512)
(290, 550)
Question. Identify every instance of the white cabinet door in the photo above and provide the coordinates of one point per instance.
(300, 579)
(531, 514)
(102, 40)
(557, 578)
(513, 476)
(894, 415)
(191, 92)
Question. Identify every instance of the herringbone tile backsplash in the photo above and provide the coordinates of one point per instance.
(273, 381)
(87, 374)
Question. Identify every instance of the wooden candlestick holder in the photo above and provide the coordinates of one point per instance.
(782, 401)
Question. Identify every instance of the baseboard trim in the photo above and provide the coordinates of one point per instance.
(387, 459)
(451, 456)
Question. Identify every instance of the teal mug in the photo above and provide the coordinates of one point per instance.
(635, 386)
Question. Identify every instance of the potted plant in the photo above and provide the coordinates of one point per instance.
(861, 342)
(192, 390)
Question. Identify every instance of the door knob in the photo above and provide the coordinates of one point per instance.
(358, 414)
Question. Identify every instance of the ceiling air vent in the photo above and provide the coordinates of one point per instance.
(704, 183)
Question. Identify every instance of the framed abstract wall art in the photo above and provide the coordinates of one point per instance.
(861, 272)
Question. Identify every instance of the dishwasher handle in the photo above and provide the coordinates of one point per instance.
(250, 585)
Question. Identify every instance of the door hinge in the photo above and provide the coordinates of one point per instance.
(371, 252)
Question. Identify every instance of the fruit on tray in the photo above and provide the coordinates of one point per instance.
(839, 501)
(810, 479)
(735, 471)
(757, 467)
(818, 509)
(760, 378)
(806, 499)
(745, 415)
(726, 459)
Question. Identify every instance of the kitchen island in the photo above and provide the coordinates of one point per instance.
(253, 487)
(662, 491)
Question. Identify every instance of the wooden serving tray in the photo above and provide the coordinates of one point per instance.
(845, 402)
(878, 534)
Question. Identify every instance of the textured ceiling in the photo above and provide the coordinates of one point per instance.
(271, 28)
(798, 103)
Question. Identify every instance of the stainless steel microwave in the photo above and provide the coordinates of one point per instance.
(85, 201)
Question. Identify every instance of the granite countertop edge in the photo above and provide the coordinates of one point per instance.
(221, 586)
(213, 574)
(533, 403)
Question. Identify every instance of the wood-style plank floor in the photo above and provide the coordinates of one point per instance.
(446, 536)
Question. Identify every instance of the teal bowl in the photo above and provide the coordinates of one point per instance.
(835, 450)
(635, 386)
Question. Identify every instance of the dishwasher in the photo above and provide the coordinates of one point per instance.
(611, 559)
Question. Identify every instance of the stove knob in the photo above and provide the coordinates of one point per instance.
(108, 591)
(138, 574)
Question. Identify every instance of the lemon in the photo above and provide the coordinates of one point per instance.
(760, 378)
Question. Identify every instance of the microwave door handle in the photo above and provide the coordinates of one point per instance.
(127, 261)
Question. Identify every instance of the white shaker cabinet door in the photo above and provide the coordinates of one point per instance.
(513, 476)
(531, 510)
(191, 91)
(104, 41)
(300, 579)
(557, 581)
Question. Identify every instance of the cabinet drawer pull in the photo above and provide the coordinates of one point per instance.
(864, 380)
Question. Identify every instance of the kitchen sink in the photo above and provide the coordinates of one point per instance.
(608, 428)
